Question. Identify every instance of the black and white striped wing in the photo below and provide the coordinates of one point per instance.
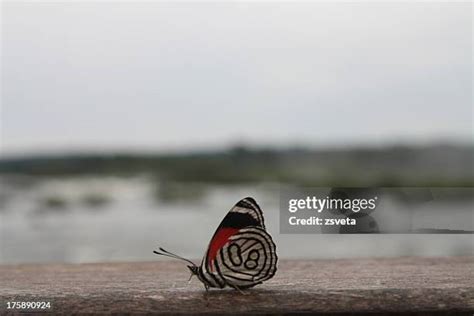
(248, 259)
(249, 206)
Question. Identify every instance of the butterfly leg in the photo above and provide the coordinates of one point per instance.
(206, 287)
(238, 289)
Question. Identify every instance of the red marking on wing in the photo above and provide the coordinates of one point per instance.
(219, 240)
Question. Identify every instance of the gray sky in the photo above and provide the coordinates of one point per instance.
(106, 76)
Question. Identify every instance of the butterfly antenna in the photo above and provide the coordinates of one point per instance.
(172, 255)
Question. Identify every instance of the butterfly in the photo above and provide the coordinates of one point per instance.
(241, 253)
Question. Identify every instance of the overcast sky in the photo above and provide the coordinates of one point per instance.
(128, 76)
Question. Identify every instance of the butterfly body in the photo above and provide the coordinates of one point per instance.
(241, 253)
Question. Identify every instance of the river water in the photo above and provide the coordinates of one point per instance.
(96, 219)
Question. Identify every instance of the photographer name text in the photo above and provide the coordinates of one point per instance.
(336, 205)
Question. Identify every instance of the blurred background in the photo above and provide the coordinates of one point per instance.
(125, 126)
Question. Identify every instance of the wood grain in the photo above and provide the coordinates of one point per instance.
(408, 285)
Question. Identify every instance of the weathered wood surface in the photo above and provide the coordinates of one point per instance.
(358, 286)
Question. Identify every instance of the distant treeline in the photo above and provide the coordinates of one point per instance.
(441, 165)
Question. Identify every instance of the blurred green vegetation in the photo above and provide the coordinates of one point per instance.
(170, 192)
(95, 200)
(54, 203)
(436, 165)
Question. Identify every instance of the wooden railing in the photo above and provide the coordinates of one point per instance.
(350, 286)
